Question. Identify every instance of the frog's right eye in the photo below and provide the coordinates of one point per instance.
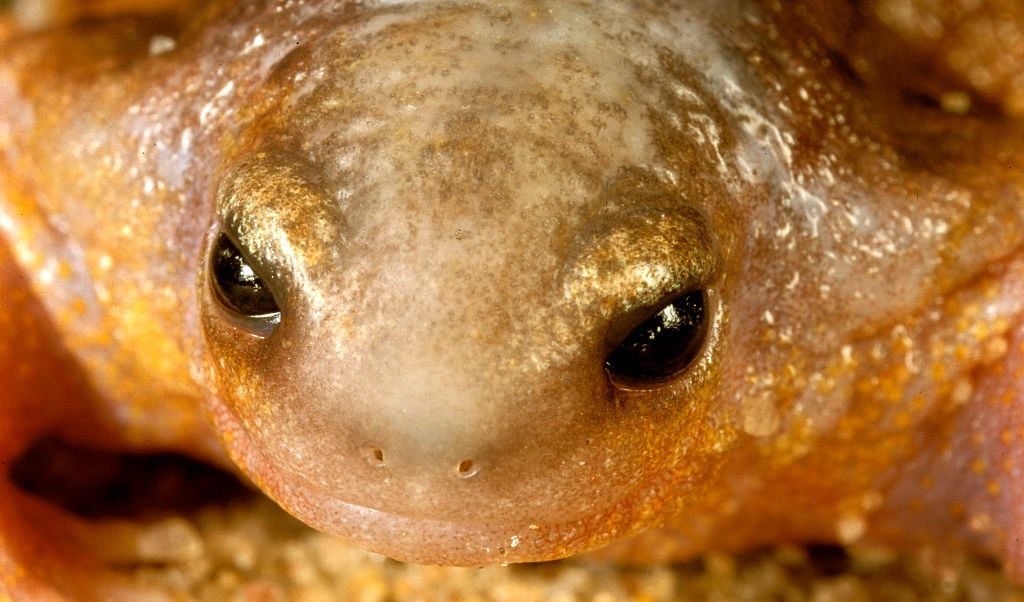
(237, 285)
(664, 344)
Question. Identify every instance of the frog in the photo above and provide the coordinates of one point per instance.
(474, 284)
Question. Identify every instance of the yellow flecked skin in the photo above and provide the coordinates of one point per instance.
(462, 209)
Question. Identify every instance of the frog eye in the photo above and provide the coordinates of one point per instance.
(237, 285)
(665, 343)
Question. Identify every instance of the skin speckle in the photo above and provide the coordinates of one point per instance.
(851, 528)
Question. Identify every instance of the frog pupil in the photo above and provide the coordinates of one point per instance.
(665, 343)
(239, 288)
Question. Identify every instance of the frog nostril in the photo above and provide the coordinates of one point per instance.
(466, 469)
(373, 455)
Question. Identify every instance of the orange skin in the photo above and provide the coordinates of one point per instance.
(460, 211)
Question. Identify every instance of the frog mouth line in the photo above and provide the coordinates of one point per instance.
(440, 542)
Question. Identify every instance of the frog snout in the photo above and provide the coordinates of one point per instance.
(443, 437)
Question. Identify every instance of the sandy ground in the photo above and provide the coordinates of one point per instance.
(253, 551)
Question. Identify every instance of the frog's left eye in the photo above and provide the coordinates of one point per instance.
(238, 287)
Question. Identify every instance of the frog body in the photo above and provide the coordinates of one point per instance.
(409, 267)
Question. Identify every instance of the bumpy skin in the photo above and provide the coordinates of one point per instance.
(461, 209)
